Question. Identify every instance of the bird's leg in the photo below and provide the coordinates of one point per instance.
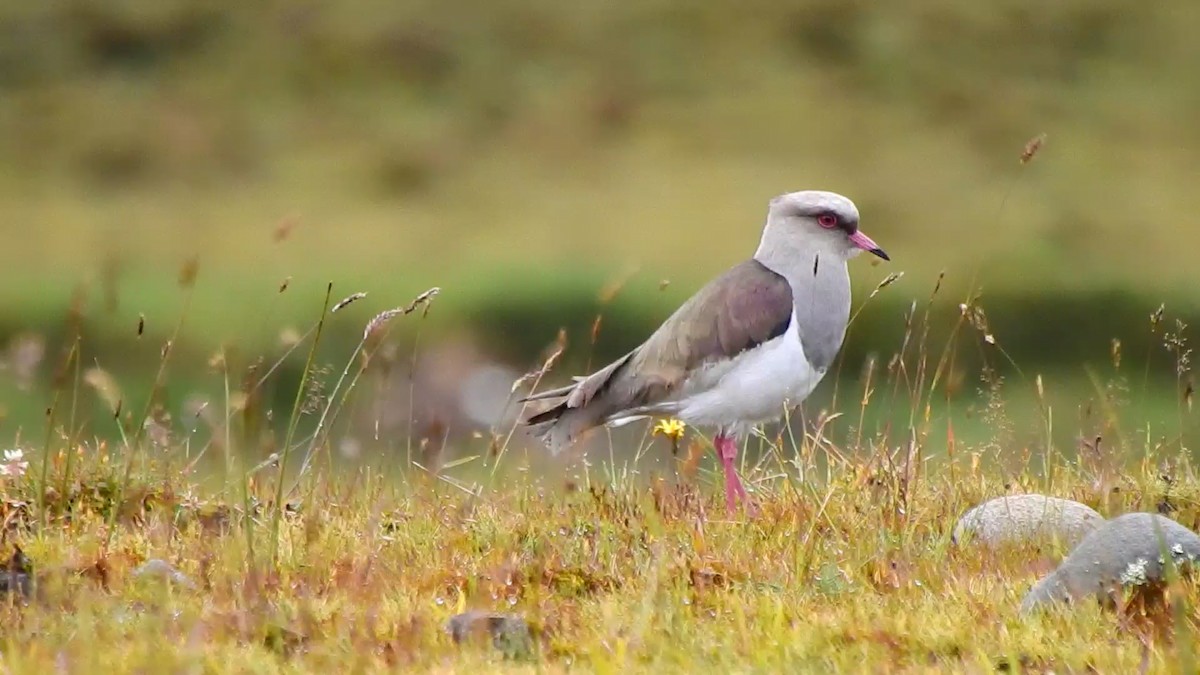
(726, 448)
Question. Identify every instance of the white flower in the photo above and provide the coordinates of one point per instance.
(14, 464)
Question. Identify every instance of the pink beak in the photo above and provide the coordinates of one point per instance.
(867, 244)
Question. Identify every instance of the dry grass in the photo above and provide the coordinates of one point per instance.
(834, 574)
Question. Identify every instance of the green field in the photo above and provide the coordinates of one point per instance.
(524, 159)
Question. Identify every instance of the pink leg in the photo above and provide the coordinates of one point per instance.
(727, 452)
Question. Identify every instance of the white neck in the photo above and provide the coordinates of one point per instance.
(820, 281)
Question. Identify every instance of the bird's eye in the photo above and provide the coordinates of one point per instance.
(827, 221)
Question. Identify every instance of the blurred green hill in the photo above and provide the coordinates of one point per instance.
(523, 154)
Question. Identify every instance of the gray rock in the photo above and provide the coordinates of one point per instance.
(509, 633)
(156, 568)
(1016, 519)
(1131, 550)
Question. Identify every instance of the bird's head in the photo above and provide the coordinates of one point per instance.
(825, 221)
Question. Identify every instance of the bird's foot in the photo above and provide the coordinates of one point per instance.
(734, 491)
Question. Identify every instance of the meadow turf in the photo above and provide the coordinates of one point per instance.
(851, 569)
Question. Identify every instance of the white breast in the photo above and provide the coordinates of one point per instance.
(753, 386)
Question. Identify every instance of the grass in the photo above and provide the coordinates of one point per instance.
(306, 562)
(849, 570)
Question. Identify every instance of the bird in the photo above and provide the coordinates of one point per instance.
(748, 344)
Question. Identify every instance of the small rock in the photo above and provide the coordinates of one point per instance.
(163, 570)
(510, 633)
(1123, 552)
(1016, 519)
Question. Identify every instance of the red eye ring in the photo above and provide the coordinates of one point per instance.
(827, 221)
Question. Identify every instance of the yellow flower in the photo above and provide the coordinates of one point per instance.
(672, 429)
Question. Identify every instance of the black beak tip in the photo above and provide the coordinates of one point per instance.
(881, 253)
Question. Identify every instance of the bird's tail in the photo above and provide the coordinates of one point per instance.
(585, 405)
(560, 426)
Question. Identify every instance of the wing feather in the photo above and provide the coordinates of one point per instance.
(737, 311)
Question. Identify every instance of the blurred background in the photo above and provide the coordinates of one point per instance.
(544, 163)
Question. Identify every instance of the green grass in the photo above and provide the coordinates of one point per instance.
(525, 158)
(410, 143)
(551, 152)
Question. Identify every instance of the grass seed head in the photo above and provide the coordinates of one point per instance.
(423, 300)
(344, 302)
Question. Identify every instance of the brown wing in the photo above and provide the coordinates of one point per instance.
(739, 310)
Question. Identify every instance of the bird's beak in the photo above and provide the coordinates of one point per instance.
(867, 244)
